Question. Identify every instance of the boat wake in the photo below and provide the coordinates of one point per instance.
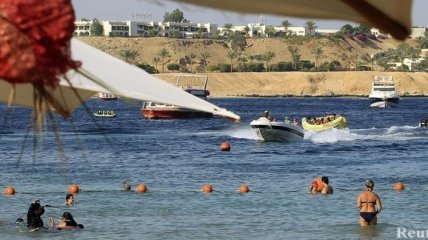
(395, 133)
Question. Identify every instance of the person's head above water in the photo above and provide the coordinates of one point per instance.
(324, 179)
(369, 183)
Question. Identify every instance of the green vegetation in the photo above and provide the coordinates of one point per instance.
(175, 16)
(96, 28)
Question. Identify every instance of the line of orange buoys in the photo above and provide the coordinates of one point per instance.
(142, 188)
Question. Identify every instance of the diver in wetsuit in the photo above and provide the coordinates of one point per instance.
(369, 204)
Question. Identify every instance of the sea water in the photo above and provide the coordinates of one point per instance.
(174, 158)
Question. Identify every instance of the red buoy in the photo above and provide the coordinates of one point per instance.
(398, 186)
(225, 146)
(74, 188)
(141, 188)
(9, 190)
(207, 188)
(244, 188)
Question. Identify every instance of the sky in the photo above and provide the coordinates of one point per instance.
(154, 10)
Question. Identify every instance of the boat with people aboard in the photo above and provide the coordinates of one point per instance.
(107, 96)
(269, 129)
(105, 113)
(321, 123)
(383, 93)
(423, 123)
(191, 83)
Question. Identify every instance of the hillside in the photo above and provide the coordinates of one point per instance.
(345, 50)
(344, 83)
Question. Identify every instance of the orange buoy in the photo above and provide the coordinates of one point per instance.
(398, 186)
(9, 190)
(141, 188)
(74, 188)
(207, 188)
(225, 146)
(244, 188)
(318, 184)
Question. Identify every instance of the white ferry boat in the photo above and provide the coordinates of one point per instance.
(383, 93)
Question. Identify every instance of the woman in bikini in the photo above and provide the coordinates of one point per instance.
(369, 204)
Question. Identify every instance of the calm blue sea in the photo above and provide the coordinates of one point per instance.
(176, 157)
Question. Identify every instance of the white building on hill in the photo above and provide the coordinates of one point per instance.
(146, 29)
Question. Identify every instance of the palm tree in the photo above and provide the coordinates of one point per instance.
(242, 59)
(204, 59)
(247, 30)
(318, 52)
(192, 57)
(164, 55)
(129, 55)
(231, 55)
(295, 55)
(268, 56)
(228, 26)
(156, 60)
(286, 25)
(311, 26)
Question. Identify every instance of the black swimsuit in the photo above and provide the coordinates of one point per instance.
(368, 216)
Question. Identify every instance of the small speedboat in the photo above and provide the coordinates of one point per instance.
(324, 122)
(105, 113)
(424, 123)
(277, 130)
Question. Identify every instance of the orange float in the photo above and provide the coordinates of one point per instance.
(318, 184)
(398, 186)
(141, 188)
(207, 188)
(9, 190)
(74, 188)
(244, 188)
(225, 146)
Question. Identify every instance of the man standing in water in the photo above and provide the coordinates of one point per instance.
(369, 204)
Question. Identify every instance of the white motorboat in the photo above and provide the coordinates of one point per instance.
(383, 93)
(277, 130)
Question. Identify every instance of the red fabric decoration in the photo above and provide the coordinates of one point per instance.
(35, 40)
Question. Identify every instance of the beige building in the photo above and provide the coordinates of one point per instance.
(418, 32)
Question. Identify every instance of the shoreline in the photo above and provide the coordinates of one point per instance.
(306, 84)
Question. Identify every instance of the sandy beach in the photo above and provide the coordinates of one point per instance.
(302, 84)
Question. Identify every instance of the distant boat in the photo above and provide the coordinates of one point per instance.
(326, 122)
(193, 84)
(106, 96)
(268, 130)
(424, 123)
(105, 113)
(383, 93)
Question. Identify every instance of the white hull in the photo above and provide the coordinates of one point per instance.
(384, 103)
(277, 131)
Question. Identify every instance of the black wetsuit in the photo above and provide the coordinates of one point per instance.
(34, 214)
